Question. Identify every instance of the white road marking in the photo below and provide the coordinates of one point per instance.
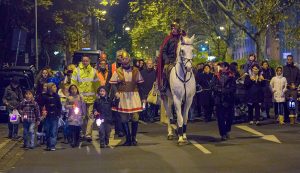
(143, 122)
(200, 147)
(95, 141)
(271, 138)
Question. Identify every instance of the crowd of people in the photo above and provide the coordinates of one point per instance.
(117, 95)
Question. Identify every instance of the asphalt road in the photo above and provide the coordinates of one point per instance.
(251, 149)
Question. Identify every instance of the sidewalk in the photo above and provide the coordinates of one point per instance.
(6, 145)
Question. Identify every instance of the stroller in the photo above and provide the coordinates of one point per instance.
(241, 108)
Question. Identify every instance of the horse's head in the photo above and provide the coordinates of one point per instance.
(185, 52)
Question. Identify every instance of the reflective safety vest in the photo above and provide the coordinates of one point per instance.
(102, 77)
(87, 82)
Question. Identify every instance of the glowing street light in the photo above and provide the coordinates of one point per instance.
(206, 42)
(222, 28)
(127, 28)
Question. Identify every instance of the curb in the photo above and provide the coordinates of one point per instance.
(8, 147)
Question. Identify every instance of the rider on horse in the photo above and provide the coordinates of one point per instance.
(167, 56)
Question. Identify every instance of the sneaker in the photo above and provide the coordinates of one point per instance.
(251, 122)
(52, 149)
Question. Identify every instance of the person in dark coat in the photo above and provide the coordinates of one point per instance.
(268, 73)
(102, 110)
(251, 61)
(204, 96)
(149, 74)
(254, 85)
(12, 98)
(292, 75)
(224, 87)
(52, 112)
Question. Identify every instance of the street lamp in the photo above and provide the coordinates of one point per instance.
(36, 37)
(222, 28)
(206, 42)
(127, 28)
(103, 12)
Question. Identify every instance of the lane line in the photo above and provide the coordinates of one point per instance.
(200, 147)
(95, 142)
(271, 138)
(143, 122)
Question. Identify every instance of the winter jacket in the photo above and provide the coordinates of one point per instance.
(29, 110)
(87, 81)
(268, 74)
(72, 103)
(52, 104)
(205, 89)
(103, 106)
(224, 87)
(279, 87)
(149, 77)
(12, 97)
(254, 90)
(169, 49)
(248, 65)
(292, 74)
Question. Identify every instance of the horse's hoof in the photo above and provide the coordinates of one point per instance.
(170, 137)
(184, 137)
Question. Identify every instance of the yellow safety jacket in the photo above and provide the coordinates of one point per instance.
(87, 82)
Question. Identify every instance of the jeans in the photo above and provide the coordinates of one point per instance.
(225, 117)
(279, 108)
(28, 133)
(104, 133)
(13, 130)
(51, 128)
(255, 106)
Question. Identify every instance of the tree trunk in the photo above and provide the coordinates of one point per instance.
(259, 47)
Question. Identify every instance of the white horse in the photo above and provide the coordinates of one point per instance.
(183, 88)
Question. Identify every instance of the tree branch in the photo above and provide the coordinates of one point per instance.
(233, 19)
(188, 7)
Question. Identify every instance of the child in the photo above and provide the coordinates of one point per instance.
(30, 114)
(291, 97)
(76, 109)
(278, 85)
(40, 130)
(102, 111)
(52, 112)
(63, 94)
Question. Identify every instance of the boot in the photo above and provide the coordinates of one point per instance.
(292, 119)
(134, 127)
(281, 119)
(184, 131)
(127, 134)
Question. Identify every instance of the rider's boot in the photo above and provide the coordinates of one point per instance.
(127, 134)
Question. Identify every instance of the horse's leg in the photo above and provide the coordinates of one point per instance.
(177, 104)
(186, 109)
(168, 113)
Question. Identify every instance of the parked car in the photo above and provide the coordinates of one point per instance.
(26, 80)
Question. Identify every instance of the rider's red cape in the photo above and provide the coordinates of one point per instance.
(160, 64)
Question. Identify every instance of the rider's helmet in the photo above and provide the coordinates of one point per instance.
(175, 24)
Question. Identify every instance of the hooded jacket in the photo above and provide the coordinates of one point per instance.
(278, 85)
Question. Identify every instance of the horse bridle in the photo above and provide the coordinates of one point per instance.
(183, 65)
